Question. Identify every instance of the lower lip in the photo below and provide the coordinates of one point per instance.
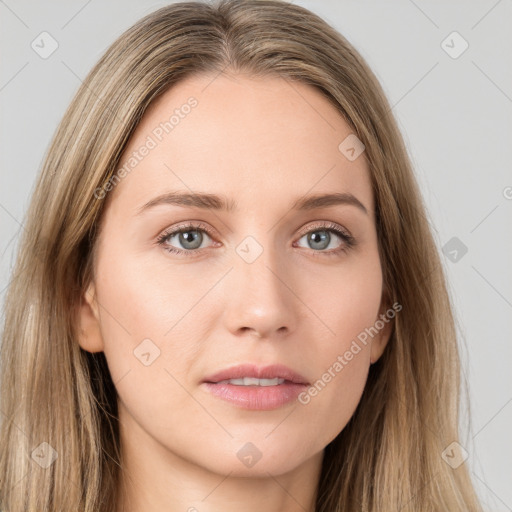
(256, 398)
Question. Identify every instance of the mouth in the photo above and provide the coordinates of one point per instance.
(253, 381)
(252, 375)
(251, 387)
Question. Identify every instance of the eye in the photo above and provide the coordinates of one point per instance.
(189, 238)
(328, 236)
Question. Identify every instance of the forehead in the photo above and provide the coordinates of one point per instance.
(245, 137)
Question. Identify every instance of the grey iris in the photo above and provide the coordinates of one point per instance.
(192, 237)
(319, 237)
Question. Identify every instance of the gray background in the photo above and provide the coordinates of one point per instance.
(456, 117)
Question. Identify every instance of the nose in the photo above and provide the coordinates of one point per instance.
(259, 297)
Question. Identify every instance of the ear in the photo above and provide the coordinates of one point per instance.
(384, 322)
(90, 338)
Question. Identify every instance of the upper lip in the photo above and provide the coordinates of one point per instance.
(259, 372)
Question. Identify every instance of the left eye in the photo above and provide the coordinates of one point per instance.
(321, 239)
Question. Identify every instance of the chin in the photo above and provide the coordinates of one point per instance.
(259, 457)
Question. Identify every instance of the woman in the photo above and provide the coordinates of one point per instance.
(228, 294)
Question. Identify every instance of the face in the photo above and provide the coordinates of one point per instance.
(185, 288)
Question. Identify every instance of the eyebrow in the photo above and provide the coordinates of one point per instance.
(217, 202)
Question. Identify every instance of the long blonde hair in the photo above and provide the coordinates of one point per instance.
(389, 456)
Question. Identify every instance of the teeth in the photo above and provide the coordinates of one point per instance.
(252, 381)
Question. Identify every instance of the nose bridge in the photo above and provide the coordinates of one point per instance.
(258, 297)
(258, 265)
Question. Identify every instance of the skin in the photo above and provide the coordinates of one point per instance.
(263, 143)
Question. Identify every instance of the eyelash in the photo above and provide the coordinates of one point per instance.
(348, 241)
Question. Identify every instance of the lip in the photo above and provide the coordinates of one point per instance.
(259, 372)
(256, 398)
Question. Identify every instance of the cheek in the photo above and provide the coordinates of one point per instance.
(150, 332)
(331, 400)
(349, 305)
(145, 309)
